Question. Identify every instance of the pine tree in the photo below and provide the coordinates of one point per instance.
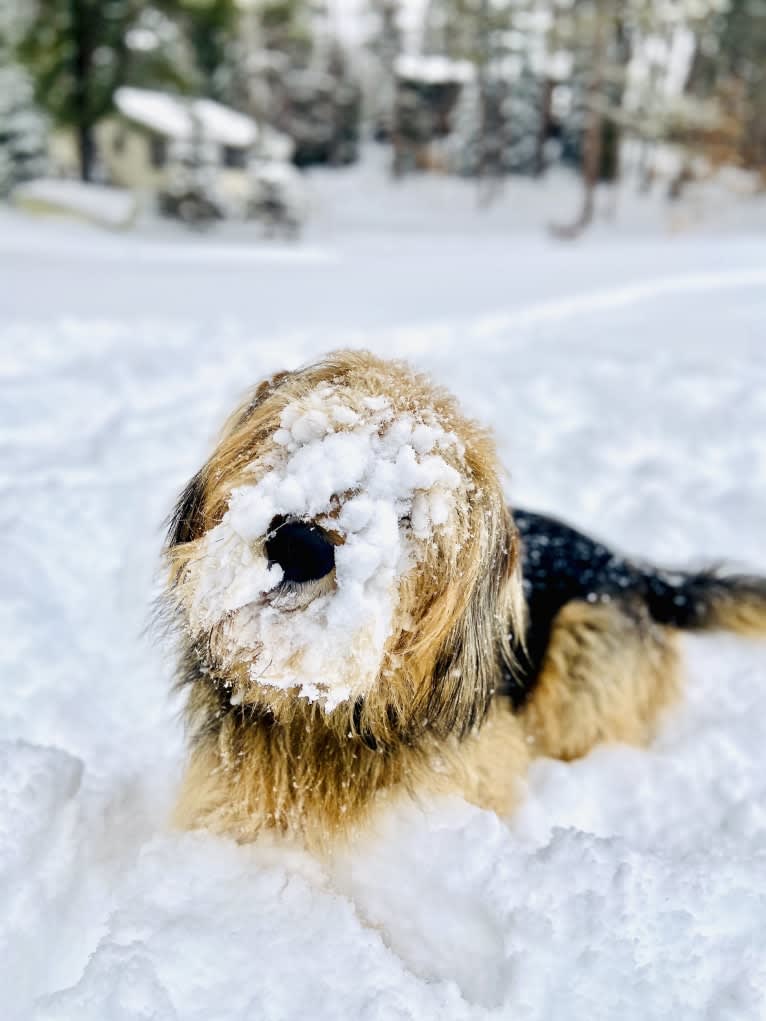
(522, 113)
(384, 46)
(730, 69)
(500, 118)
(595, 31)
(23, 131)
(285, 27)
(300, 80)
(211, 29)
(454, 28)
(77, 53)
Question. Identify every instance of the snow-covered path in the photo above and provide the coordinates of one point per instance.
(627, 386)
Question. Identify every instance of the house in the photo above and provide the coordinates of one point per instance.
(151, 133)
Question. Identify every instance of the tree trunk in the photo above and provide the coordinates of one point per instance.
(591, 165)
(81, 68)
(593, 137)
(484, 169)
(546, 116)
(86, 150)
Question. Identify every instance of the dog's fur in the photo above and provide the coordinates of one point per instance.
(504, 642)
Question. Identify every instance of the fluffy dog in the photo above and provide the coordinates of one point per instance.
(360, 614)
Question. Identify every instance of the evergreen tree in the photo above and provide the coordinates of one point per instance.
(161, 53)
(285, 27)
(522, 113)
(276, 38)
(501, 117)
(211, 29)
(320, 111)
(730, 69)
(384, 46)
(23, 131)
(455, 28)
(300, 80)
(77, 53)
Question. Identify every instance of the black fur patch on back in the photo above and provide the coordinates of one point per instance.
(698, 601)
(559, 565)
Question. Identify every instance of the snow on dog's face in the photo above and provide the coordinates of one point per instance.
(329, 548)
(301, 574)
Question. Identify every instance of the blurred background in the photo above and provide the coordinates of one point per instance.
(212, 111)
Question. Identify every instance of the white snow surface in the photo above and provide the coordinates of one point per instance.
(384, 467)
(625, 377)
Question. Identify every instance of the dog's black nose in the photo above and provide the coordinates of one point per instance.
(301, 549)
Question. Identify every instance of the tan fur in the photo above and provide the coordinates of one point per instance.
(740, 608)
(305, 780)
(607, 675)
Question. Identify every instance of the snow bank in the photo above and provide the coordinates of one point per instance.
(109, 207)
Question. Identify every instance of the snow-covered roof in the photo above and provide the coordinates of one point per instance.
(156, 110)
(174, 117)
(224, 124)
(434, 70)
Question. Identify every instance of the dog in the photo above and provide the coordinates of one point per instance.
(361, 615)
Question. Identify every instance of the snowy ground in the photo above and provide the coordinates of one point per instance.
(626, 380)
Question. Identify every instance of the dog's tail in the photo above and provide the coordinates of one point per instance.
(708, 601)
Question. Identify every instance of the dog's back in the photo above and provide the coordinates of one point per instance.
(600, 628)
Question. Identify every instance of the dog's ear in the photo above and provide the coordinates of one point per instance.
(186, 521)
(477, 654)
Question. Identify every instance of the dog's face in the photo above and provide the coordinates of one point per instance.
(348, 544)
